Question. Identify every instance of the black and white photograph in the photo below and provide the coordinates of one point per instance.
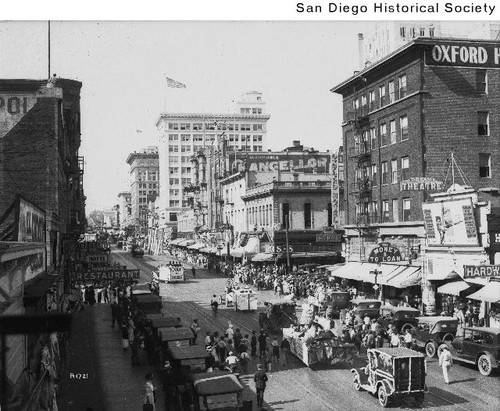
(228, 214)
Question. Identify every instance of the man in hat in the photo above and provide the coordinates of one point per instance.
(260, 379)
(446, 361)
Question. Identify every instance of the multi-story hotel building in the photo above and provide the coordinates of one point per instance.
(183, 135)
(415, 122)
(144, 184)
(124, 209)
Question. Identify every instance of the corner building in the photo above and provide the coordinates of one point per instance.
(406, 114)
(405, 118)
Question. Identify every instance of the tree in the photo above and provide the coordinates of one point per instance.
(96, 220)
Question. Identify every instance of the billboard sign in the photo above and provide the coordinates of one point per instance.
(463, 54)
(283, 162)
(450, 222)
(31, 222)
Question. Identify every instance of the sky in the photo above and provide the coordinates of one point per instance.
(122, 67)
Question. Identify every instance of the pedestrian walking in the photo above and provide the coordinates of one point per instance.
(446, 361)
(244, 360)
(195, 328)
(253, 345)
(134, 348)
(262, 343)
(149, 397)
(285, 350)
(193, 271)
(114, 314)
(260, 379)
(125, 342)
(408, 338)
(275, 350)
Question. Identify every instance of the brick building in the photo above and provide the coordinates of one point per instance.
(404, 116)
(144, 184)
(39, 143)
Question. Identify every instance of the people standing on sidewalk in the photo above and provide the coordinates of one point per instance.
(149, 397)
(446, 361)
(125, 342)
(260, 379)
(262, 343)
(134, 348)
(193, 271)
(114, 315)
(275, 350)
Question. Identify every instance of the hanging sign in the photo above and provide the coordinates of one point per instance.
(384, 253)
(107, 275)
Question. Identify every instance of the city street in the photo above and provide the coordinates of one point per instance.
(321, 389)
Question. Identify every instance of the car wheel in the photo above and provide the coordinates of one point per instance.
(383, 398)
(440, 349)
(430, 349)
(357, 383)
(406, 327)
(484, 365)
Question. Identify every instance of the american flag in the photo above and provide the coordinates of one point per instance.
(174, 84)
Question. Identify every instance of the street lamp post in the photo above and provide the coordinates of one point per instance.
(376, 287)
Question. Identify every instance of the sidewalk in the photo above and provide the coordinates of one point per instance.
(113, 384)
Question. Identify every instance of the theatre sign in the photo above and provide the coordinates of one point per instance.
(463, 54)
(421, 184)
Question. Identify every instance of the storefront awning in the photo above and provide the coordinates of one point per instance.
(311, 255)
(261, 257)
(453, 287)
(251, 248)
(489, 293)
(403, 277)
(206, 250)
(196, 246)
(176, 241)
(364, 272)
(185, 243)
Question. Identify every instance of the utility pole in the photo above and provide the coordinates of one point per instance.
(287, 223)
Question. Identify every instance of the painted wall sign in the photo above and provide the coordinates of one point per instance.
(472, 271)
(31, 222)
(13, 107)
(461, 54)
(450, 222)
(421, 184)
(384, 253)
(328, 238)
(97, 258)
(107, 275)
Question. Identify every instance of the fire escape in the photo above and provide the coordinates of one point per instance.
(361, 159)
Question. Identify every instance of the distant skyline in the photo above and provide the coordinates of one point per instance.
(123, 66)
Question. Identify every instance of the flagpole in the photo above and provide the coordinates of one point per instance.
(48, 49)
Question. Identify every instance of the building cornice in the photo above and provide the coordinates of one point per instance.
(203, 117)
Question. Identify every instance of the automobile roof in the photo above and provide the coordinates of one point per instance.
(394, 308)
(365, 300)
(490, 330)
(436, 318)
(398, 352)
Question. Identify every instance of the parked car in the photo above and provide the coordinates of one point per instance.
(479, 346)
(400, 317)
(392, 374)
(137, 251)
(432, 331)
(363, 307)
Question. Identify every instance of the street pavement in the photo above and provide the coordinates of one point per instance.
(119, 386)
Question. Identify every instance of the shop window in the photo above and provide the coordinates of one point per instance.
(307, 215)
(406, 209)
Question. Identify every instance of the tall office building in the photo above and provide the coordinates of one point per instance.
(144, 185)
(182, 135)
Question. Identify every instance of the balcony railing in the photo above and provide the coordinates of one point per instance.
(294, 185)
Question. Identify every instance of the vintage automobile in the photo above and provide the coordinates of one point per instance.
(137, 251)
(479, 346)
(432, 331)
(401, 318)
(392, 374)
(363, 307)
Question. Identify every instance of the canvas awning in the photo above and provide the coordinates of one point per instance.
(364, 272)
(176, 241)
(453, 287)
(185, 243)
(404, 276)
(251, 248)
(206, 250)
(489, 293)
(261, 257)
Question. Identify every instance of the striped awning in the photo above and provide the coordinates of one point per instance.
(453, 287)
